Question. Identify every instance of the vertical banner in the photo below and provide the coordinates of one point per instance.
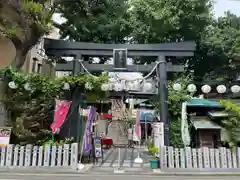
(60, 114)
(138, 126)
(5, 133)
(88, 131)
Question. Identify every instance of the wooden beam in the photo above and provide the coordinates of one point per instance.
(109, 53)
(68, 48)
(70, 45)
(110, 68)
(131, 94)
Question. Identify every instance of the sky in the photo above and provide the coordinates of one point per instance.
(226, 5)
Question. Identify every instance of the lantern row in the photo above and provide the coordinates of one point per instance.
(207, 89)
(137, 86)
(110, 86)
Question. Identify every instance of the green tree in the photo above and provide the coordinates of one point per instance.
(155, 21)
(220, 47)
(94, 21)
(99, 21)
(232, 122)
(24, 22)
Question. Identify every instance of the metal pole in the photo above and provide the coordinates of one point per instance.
(163, 96)
(139, 147)
(145, 118)
(82, 145)
(119, 157)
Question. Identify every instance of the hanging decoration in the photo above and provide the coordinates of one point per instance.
(221, 89)
(235, 89)
(206, 89)
(191, 88)
(60, 114)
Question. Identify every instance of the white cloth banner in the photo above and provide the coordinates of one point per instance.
(158, 134)
(184, 126)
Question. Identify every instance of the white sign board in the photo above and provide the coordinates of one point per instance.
(158, 134)
(5, 133)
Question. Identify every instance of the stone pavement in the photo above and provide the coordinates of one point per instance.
(127, 156)
(97, 176)
(47, 171)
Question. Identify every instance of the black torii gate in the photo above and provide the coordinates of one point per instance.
(120, 52)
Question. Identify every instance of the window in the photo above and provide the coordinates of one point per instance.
(34, 64)
(39, 68)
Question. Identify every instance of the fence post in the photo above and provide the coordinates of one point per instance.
(170, 157)
(53, 156)
(194, 155)
(40, 156)
(234, 157)
(188, 154)
(74, 155)
(65, 155)
(177, 162)
(206, 160)
(28, 155)
(46, 155)
(229, 158)
(22, 154)
(59, 157)
(15, 155)
(161, 157)
(223, 157)
(217, 158)
(9, 155)
(212, 158)
(3, 155)
(200, 158)
(34, 158)
(182, 158)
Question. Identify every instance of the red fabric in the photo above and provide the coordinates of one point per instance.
(60, 114)
(107, 116)
(107, 141)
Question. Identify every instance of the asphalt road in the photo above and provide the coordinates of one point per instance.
(95, 176)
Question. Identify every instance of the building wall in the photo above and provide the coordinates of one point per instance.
(36, 60)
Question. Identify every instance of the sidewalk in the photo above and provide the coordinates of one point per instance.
(73, 172)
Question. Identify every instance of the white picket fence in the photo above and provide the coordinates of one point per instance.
(49, 156)
(199, 158)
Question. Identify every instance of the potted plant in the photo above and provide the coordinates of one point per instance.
(154, 162)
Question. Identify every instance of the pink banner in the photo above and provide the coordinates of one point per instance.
(60, 114)
(138, 126)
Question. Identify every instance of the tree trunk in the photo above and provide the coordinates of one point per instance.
(19, 59)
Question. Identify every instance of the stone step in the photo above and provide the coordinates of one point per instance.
(127, 164)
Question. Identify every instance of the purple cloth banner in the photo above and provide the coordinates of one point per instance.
(88, 131)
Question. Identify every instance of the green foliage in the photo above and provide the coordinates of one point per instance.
(232, 122)
(94, 21)
(32, 112)
(55, 142)
(40, 14)
(175, 100)
(171, 21)
(219, 48)
(152, 150)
